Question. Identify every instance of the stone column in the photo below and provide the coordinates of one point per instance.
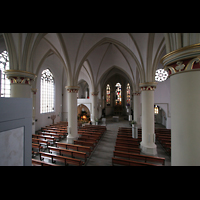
(72, 113)
(137, 108)
(34, 90)
(20, 83)
(183, 66)
(94, 107)
(148, 133)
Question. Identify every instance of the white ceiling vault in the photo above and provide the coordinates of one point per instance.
(136, 55)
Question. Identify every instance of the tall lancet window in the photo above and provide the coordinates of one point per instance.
(47, 92)
(108, 95)
(5, 82)
(128, 97)
(118, 93)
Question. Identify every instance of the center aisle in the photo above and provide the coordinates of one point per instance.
(103, 153)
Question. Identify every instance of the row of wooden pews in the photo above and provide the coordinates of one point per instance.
(127, 151)
(90, 135)
(164, 137)
(48, 136)
(67, 154)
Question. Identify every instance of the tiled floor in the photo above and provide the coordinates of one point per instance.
(103, 153)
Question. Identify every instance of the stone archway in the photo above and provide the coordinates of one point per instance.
(83, 114)
(160, 118)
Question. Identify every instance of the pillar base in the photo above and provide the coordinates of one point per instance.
(149, 150)
(70, 139)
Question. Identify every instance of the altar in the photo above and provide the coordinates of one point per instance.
(115, 118)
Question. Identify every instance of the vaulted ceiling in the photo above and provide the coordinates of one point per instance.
(137, 55)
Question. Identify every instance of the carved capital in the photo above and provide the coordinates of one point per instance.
(72, 89)
(34, 90)
(184, 66)
(182, 60)
(20, 77)
(94, 93)
(148, 86)
(137, 93)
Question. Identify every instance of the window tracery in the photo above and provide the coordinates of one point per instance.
(161, 75)
(47, 92)
(5, 82)
(108, 95)
(118, 93)
(128, 91)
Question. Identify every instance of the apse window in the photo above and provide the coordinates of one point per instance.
(108, 95)
(5, 82)
(118, 93)
(128, 91)
(47, 92)
(161, 75)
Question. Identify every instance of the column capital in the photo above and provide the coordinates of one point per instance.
(34, 90)
(94, 93)
(148, 86)
(137, 93)
(20, 77)
(181, 66)
(182, 60)
(72, 89)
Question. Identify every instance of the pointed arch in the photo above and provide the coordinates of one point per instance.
(46, 55)
(89, 73)
(27, 49)
(149, 56)
(157, 58)
(132, 83)
(66, 57)
(116, 42)
(32, 51)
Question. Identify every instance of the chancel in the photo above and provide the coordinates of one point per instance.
(99, 99)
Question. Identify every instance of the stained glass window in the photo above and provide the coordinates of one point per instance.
(118, 93)
(128, 91)
(108, 95)
(47, 92)
(156, 109)
(5, 82)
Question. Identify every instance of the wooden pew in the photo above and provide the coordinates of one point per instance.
(125, 144)
(127, 149)
(129, 141)
(42, 142)
(41, 163)
(130, 162)
(90, 136)
(96, 127)
(90, 132)
(164, 137)
(55, 131)
(145, 158)
(88, 139)
(74, 147)
(37, 146)
(56, 136)
(64, 159)
(83, 143)
(44, 137)
(68, 152)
